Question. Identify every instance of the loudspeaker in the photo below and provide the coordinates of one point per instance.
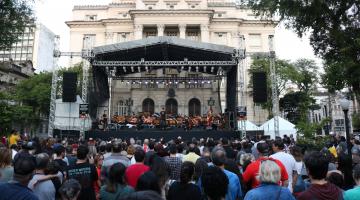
(69, 87)
(259, 87)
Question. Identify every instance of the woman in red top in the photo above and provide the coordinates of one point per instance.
(98, 161)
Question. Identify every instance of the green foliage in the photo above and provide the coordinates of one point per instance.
(312, 143)
(309, 130)
(356, 121)
(15, 15)
(29, 99)
(334, 28)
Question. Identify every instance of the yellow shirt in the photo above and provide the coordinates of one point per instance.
(14, 138)
(333, 151)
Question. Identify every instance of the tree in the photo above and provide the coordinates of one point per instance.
(334, 28)
(284, 70)
(15, 15)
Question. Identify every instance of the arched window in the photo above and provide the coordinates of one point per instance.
(171, 106)
(121, 108)
(148, 105)
(194, 107)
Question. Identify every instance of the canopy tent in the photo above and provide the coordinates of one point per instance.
(249, 126)
(67, 115)
(285, 128)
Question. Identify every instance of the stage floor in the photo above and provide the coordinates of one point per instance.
(157, 134)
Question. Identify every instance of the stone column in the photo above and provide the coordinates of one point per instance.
(204, 32)
(182, 30)
(138, 31)
(234, 42)
(160, 29)
(109, 37)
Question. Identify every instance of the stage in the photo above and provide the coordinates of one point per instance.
(156, 134)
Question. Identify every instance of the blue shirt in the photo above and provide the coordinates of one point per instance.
(269, 192)
(234, 189)
(16, 191)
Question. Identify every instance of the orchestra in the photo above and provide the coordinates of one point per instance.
(164, 121)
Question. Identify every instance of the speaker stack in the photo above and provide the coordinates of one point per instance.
(69, 87)
(259, 87)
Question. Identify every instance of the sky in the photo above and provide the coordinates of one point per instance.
(54, 13)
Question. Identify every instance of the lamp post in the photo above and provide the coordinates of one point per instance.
(345, 104)
(211, 103)
(129, 103)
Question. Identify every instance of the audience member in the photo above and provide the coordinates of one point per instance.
(174, 163)
(354, 194)
(269, 176)
(317, 166)
(70, 190)
(116, 186)
(214, 183)
(185, 189)
(6, 170)
(133, 172)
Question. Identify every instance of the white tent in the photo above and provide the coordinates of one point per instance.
(67, 115)
(249, 125)
(285, 128)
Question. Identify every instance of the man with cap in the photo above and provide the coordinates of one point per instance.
(251, 173)
(24, 166)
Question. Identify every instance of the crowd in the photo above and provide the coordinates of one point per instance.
(250, 169)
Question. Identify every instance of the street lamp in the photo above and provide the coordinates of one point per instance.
(129, 103)
(345, 104)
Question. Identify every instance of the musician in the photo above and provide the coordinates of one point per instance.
(162, 119)
(104, 121)
(209, 119)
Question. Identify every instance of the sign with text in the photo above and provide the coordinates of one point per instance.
(83, 110)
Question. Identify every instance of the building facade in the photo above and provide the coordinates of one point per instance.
(35, 44)
(209, 21)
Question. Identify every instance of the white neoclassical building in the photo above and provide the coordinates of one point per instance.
(208, 21)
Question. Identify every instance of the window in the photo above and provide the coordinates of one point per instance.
(91, 41)
(149, 33)
(123, 37)
(121, 108)
(255, 40)
(194, 107)
(90, 17)
(148, 106)
(193, 35)
(220, 37)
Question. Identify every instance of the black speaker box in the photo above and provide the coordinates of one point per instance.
(259, 87)
(69, 87)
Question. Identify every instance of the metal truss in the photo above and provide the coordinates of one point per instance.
(172, 79)
(163, 63)
(274, 92)
(54, 81)
(241, 55)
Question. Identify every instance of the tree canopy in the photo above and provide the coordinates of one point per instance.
(334, 28)
(15, 15)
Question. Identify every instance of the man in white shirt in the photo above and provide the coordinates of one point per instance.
(287, 160)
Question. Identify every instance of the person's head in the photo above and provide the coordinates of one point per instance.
(151, 145)
(139, 155)
(317, 165)
(356, 174)
(69, 150)
(161, 169)
(172, 149)
(42, 161)
(297, 152)
(70, 190)
(82, 152)
(116, 147)
(130, 150)
(24, 166)
(187, 172)
(269, 172)
(218, 156)
(224, 141)
(336, 178)
(116, 176)
(98, 160)
(148, 181)
(278, 145)
(108, 147)
(231, 166)
(59, 151)
(5, 157)
(52, 168)
(263, 149)
(200, 166)
(214, 183)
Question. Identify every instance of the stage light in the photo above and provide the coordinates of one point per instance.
(132, 68)
(209, 82)
(197, 68)
(146, 82)
(176, 82)
(195, 82)
(157, 82)
(212, 69)
(189, 70)
(202, 82)
(127, 82)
